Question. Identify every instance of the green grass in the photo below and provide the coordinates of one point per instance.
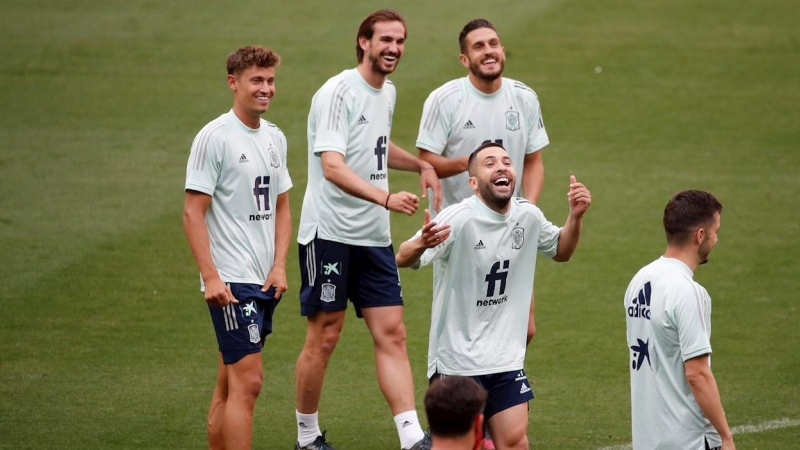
(105, 340)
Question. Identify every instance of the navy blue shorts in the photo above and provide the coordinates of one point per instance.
(332, 272)
(710, 448)
(505, 389)
(241, 328)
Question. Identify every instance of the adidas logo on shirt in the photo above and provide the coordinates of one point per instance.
(363, 120)
(480, 245)
(243, 159)
(524, 389)
(468, 125)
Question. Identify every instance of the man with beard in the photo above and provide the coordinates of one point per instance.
(482, 107)
(674, 398)
(487, 247)
(345, 244)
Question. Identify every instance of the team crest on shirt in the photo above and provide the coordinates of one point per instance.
(274, 159)
(328, 292)
(512, 120)
(255, 336)
(517, 238)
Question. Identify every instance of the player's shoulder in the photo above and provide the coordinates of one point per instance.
(458, 212)
(214, 130)
(272, 128)
(338, 84)
(524, 206)
(453, 89)
(521, 89)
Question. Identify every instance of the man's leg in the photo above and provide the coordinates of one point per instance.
(509, 428)
(244, 384)
(322, 334)
(394, 371)
(216, 411)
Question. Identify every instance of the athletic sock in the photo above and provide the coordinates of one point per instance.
(408, 428)
(307, 427)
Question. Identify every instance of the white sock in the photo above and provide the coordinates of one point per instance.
(408, 428)
(307, 427)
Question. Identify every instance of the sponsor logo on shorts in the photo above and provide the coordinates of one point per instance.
(524, 389)
(249, 309)
(328, 269)
(521, 376)
(255, 336)
(328, 292)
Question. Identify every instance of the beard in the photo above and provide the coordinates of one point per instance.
(375, 62)
(475, 68)
(498, 201)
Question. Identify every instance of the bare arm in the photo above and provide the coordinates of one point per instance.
(283, 234)
(579, 200)
(445, 167)
(532, 176)
(402, 160)
(411, 250)
(704, 388)
(194, 210)
(335, 170)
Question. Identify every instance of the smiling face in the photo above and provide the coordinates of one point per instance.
(493, 178)
(483, 55)
(384, 49)
(253, 90)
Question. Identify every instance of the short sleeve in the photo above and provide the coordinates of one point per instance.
(205, 160)
(330, 108)
(435, 122)
(548, 237)
(286, 180)
(688, 320)
(537, 135)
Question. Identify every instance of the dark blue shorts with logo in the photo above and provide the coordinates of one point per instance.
(505, 389)
(242, 327)
(332, 272)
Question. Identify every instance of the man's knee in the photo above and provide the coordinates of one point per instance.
(322, 337)
(392, 334)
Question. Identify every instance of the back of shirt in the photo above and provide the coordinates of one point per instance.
(350, 117)
(668, 320)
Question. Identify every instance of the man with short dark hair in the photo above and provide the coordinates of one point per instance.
(488, 245)
(675, 403)
(454, 406)
(345, 245)
(236, 219)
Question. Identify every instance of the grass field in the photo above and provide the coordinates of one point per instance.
(105, 341)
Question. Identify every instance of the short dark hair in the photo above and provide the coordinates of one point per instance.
(252, 55)
(686, 211)
(472, 162)
(367, 28)
(469, 28)
(452, 403)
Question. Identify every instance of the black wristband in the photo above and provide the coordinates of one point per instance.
(386, 203)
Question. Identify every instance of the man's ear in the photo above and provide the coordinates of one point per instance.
(464, 61)
(700, 235)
